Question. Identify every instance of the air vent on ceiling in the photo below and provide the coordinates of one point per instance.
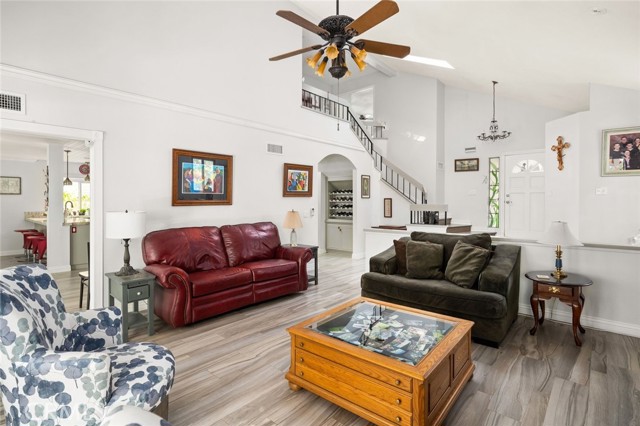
(12, 102)
(274, 149)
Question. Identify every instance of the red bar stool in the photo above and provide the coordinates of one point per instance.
(40, 248)
(28, 242)
(22, 231)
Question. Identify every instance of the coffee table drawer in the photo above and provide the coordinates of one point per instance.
(554, 290)
(382, 392)
(343, 387)
(378, 373)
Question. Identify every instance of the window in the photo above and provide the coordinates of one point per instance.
(494, 192)
(79, 193)
(531, 165)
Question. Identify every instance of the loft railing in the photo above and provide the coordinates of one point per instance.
(392, 175)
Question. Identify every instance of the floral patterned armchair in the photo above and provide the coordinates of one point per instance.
(60, 368)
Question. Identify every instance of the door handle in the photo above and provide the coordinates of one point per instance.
(507, 202)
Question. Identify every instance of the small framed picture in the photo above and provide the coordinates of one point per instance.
(388, 212)
(10, 185)
(621, 152)
(201, 178)
(297, 181)
(365, 189)
(467, 165)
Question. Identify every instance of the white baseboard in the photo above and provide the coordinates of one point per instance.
(12, 252)
(56, 269)
(357, 255)
(587, 321)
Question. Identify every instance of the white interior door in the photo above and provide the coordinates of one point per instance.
(524, 209)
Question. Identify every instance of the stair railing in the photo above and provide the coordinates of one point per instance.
(400, 181)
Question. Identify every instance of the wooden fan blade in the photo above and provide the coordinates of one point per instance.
(372, 17)
(295, 52)
(381, 48)
(299, 20)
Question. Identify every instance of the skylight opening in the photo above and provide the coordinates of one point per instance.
(429, 61)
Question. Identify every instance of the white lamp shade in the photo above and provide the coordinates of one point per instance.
(292, 220)
(559, 234)
(121, 225)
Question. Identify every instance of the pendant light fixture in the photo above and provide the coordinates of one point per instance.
(493, 128)
(67, 181)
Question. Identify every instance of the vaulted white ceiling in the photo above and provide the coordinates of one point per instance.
(542, 52)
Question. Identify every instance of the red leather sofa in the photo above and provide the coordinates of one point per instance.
(206, 271)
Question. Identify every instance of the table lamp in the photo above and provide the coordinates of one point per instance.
(125, 226)
(558, 234)
(292, 221)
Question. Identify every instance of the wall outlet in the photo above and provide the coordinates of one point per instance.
(601, 190)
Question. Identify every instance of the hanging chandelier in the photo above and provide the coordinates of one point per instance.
(67, 181)
(493, 128)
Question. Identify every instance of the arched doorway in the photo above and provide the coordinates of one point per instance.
(337, 203)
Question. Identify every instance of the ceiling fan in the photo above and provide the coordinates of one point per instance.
(337, 32)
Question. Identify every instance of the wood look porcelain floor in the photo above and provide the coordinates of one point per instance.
(230, 369)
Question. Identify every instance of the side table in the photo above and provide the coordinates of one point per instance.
(132, 289)
(568, 290)
(314, 251)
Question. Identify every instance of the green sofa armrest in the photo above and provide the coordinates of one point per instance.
(384, 262)
(502, 274)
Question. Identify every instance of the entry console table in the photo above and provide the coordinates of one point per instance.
(133, 289)
(568, 290)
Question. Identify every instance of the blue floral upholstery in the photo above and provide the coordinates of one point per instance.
(60, 368)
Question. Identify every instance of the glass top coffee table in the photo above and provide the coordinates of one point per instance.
(389, 364)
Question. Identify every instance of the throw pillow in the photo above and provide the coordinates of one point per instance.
(401, 256)
(424, 260)
(465, 264)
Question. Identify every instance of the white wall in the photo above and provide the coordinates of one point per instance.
(13, 206)
(610, 108)
(141, 131)
(467, 114)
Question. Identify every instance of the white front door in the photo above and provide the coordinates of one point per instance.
(524, 210)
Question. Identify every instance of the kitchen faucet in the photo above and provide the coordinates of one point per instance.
(67, 211)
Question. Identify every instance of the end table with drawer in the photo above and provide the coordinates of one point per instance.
(568, 290)
(133, 289)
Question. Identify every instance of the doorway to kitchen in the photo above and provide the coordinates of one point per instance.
(59, 135)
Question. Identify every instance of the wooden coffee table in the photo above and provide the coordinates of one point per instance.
(386, 363)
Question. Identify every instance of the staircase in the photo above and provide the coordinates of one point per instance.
(401, 182)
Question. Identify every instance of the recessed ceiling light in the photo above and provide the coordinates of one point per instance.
(429, 61)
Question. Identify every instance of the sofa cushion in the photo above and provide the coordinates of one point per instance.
(190, 249)
(437, 295)
(424, 260)
(465, 264)
(269, 269)
(250, 241)
(207, 282)
(401, 256)
(449, 242)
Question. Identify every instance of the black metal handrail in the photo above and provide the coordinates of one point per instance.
(402, 183)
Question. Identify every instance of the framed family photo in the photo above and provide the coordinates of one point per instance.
(467, 165)
(621, 152)
(297, 180)
(201, 178)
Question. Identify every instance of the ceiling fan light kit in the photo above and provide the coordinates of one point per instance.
(337, 31)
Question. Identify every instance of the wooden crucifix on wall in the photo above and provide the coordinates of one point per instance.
(559, 147)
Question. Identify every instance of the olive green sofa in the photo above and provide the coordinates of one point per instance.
(491, 303)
